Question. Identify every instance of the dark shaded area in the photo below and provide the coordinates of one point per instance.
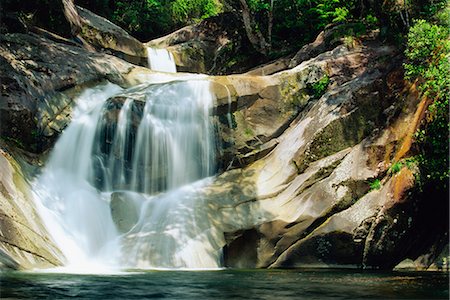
(411, 228)
(18, 16)
(241, 249)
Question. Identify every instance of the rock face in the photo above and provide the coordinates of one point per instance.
(313, 201)
(207, 47)
(38, 79)
(193, 47)
(24, 243)
(306, 179)
(108, 37)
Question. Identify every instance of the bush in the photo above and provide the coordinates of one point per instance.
(428, 61)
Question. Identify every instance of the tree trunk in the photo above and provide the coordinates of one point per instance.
(254, 35)
(71, 14)
(74, 19)
(270, 24)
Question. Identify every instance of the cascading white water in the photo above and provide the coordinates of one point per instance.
(76, 214)
(161, 60)
(159, 146)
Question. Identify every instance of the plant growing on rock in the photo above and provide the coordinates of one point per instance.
(375, 185)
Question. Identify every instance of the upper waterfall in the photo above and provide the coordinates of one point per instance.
(161, 60)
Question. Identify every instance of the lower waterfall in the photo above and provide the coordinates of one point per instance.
(119, 189)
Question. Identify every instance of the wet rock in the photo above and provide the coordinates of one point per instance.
(124, 211)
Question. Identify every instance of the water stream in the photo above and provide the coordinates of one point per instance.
(161, 60)
(119, 188)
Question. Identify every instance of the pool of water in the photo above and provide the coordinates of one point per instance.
(227, 284)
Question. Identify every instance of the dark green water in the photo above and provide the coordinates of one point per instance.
(267, 284)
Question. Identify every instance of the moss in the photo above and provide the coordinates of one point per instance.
(249, 132)
(298, 89)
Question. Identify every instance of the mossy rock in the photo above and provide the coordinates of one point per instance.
(342, 133)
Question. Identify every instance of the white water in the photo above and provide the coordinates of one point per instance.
(161, 60)
(160, 147)
(76, 214)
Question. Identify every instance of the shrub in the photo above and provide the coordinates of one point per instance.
(428, 61)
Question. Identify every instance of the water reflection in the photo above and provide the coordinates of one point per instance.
(228, 284)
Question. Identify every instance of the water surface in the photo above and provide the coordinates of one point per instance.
(227, 284)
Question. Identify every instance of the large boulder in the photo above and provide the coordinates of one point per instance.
(108, 37)
(38, 81)
(193, 46)
(24, 242)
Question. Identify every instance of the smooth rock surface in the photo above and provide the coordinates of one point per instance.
(108, 37)
(24, 242)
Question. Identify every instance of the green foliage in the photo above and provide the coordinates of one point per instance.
(375, 185)
(340, 14)
(371, 20)
(303, 19)
(396, 167)
(318, 88)
(259, 5)
(428, 60)
(147, 19)
(426, 43)
(428, 9)
(184, 11)
(410, 163)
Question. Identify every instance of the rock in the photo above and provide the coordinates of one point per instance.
(124, 211)
(24, 242)
(406, 265)
(440, 263)
(325, 41)
(108, 37)
(209, 47)
(271, 68)
(39, 78)
(193, 47)
(278, 214)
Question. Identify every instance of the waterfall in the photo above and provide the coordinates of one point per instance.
(161, 60)
(150, 153)
(76, 214)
